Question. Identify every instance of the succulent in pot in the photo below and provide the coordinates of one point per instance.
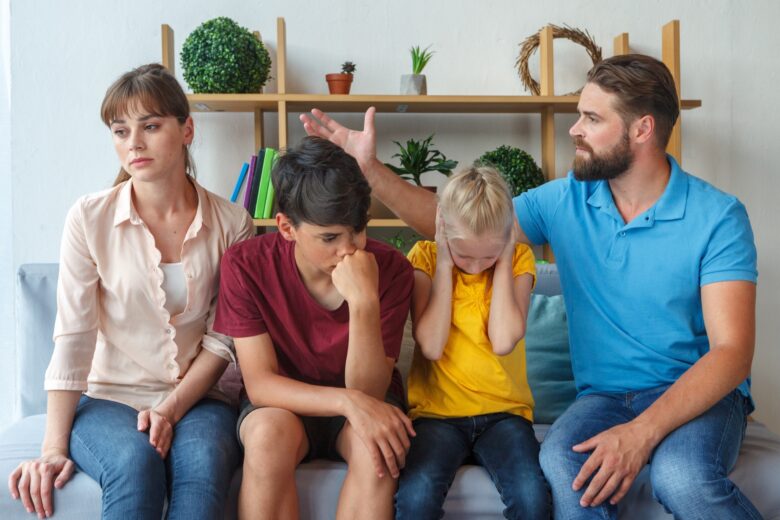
(340, 82)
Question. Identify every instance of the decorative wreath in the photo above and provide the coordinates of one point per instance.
(532, 42)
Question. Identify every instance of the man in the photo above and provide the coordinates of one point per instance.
(658, 270)
(317, 312)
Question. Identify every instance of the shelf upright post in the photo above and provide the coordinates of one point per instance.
(167, 48)
(670, 55)
(258, 113)
(620, 44)
(546, 88)
(281, 79)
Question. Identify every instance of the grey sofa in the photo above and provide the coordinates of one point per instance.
(472, 494)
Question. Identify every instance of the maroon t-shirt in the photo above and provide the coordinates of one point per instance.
(261, 291)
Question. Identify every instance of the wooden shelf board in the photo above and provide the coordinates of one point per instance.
(391, 104)
(377, 222)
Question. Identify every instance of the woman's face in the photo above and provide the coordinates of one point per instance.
(150, 148)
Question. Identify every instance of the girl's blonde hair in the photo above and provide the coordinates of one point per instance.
(479, 200)
(155, 89)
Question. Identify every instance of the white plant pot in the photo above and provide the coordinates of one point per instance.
(414, 84)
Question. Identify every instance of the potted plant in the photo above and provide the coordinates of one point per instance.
(222, 57)
(516, 166)
(415, 82)
(418, 157)
(339, 83)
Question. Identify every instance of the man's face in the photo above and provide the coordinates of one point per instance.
(603, 148)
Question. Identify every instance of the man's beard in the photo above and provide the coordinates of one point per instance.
(608, 166)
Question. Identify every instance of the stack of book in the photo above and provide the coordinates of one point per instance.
(258, 190)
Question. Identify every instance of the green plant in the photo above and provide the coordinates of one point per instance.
(403, 240)
(420, 58)
(417, 157)
(348, 67)
(222, 57)
(517, 167)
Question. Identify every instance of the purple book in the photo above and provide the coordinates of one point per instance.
(247, 196)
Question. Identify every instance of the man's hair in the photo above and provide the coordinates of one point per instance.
(479, 200)
(319, 183)
(643, 85)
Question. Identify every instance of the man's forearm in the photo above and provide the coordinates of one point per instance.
(413, 204)
(704, 384)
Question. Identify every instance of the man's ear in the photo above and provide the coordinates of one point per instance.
(643, 129)
(285, 226)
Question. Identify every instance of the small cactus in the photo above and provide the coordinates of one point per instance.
(348, 67)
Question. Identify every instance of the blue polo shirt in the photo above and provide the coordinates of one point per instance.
(632, 290)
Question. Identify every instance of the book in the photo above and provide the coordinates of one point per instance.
(269, 197)
(239, 182)
(255, 183)
(265, 180)
(250, 180)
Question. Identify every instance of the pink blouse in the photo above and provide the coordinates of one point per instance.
(113, 337)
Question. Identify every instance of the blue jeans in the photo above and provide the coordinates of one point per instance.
(195, 476)
(688, 469)
(503, 444)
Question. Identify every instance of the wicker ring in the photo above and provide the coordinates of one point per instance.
(532, 43)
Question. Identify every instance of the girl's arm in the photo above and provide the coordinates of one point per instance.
(509, 303)
(432, 300)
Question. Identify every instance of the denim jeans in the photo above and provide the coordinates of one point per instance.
(688, 469)
(503, 444)
(195, 476)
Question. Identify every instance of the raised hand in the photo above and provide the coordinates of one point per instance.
(384, 429)
(359, 144)
(33, 481)
(160, 430)
(356, 277)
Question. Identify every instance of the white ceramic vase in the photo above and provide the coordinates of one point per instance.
(414, 84)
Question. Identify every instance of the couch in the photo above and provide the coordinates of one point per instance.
(472, 494)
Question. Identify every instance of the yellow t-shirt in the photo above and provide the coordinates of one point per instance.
(469, 379)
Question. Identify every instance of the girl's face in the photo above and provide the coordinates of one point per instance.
(150, 148)
(472, 253)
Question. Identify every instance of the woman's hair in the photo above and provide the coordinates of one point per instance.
(319, 183)
(157, 91)
(478, 199)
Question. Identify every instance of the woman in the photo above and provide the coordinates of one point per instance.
(133, 393)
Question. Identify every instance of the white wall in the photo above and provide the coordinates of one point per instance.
(7, 359)
(64, 58)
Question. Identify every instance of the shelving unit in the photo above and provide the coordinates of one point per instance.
(547, 105)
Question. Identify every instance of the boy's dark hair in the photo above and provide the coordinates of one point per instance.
(319, 183)
(643, 86)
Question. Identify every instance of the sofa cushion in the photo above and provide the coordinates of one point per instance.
(547, 358)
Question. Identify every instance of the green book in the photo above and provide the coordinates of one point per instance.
(269, 195)
(265, 181)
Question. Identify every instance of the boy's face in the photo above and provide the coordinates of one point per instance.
(321, 248)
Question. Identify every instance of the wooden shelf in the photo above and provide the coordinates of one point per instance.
(392, 104)
(376, 222)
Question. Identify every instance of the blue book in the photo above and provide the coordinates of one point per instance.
(239, 182)
(249, 181)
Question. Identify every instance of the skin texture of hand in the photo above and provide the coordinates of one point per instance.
(383, 428)
(356, 277)
(508, 253)
(443, 256)
(617, 456)
(160, 430)
(34, 480)
(359, 144)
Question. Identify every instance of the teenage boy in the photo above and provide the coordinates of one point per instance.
(317, 313)
(658, 270)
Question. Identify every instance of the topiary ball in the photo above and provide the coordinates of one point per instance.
(518, 169)
(222, 57)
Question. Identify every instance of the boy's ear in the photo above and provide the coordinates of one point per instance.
(285, 226)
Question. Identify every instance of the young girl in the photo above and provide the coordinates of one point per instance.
(468, 392)
(133, 398)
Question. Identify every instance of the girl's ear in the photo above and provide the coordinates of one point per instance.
(285, 226)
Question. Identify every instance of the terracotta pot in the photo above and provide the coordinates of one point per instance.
(339, 83)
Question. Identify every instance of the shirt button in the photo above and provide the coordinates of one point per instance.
(622, 233)
(171, 366)
(189, 275)
(168, 330)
